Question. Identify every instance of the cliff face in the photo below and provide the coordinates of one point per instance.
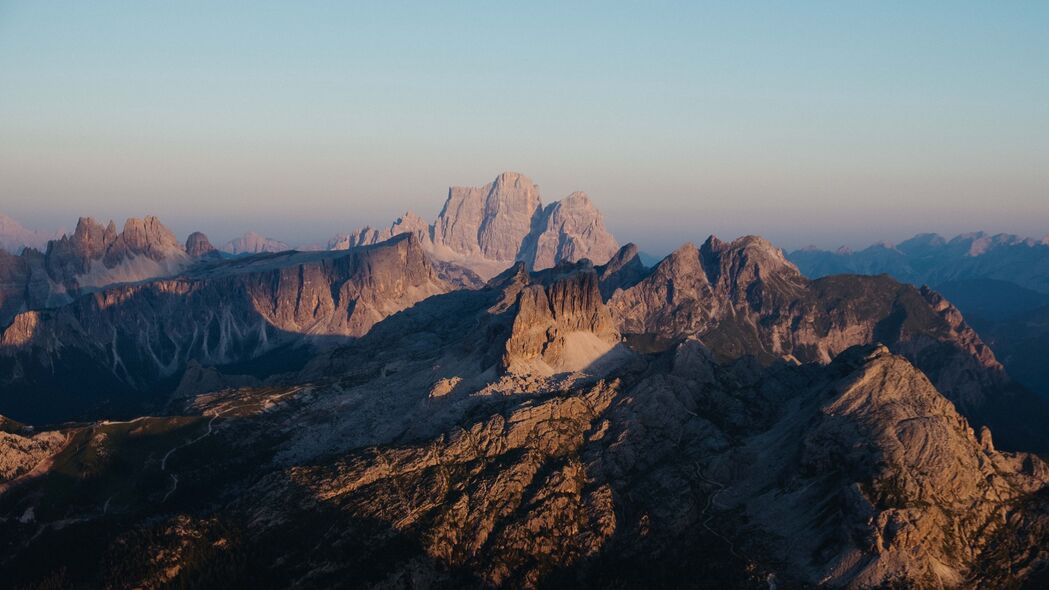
(560, 326)
(491, 221)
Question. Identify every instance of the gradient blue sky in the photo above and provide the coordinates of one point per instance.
(808, 122)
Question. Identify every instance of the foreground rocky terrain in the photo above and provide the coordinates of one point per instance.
(716, 421)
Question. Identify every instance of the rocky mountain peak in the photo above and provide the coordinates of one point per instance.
(744, 261)
(413, 224)
(149, 237)
(560, 325)
(490, 221)
(569, 229)
(623, 270)
(921, 244)
(198, 245)
(487, 228)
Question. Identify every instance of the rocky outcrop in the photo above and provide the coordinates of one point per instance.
(409, 223)
(876, 481)
(20, 454)
(96, 256)
(693, 290)
(562, 325)
(253, 243)
(198, 246)
(490, 227)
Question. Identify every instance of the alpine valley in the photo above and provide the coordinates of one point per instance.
(508, 397)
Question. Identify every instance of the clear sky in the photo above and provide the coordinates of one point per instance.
(808, 122)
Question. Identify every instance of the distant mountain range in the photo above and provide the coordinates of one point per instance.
(1000, 282)
(932, 260)
(14, 237)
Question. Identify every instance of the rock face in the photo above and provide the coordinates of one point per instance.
(930, 494)
(491, 221)
(22, 451)
(133, 337)
(562, 325)
(891, 487)
(410, 223)
(570, 229)
(253, 243)
(198, 246)
(95, 256)
(490, 227)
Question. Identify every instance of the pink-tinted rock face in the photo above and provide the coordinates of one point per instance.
(489, 227)
(489, 221)
(569, 230)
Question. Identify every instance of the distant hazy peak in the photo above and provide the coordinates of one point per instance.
(254, 243)
(14, 236)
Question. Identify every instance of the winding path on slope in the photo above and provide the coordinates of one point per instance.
(211, 429)
(164, 461)
(712, 502)
(770, 579)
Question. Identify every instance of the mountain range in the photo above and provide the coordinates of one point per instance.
(1000, 282)
(506, 398)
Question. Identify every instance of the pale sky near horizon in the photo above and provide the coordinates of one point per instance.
(822, 123)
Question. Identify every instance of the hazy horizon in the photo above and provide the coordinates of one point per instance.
(828, 125)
